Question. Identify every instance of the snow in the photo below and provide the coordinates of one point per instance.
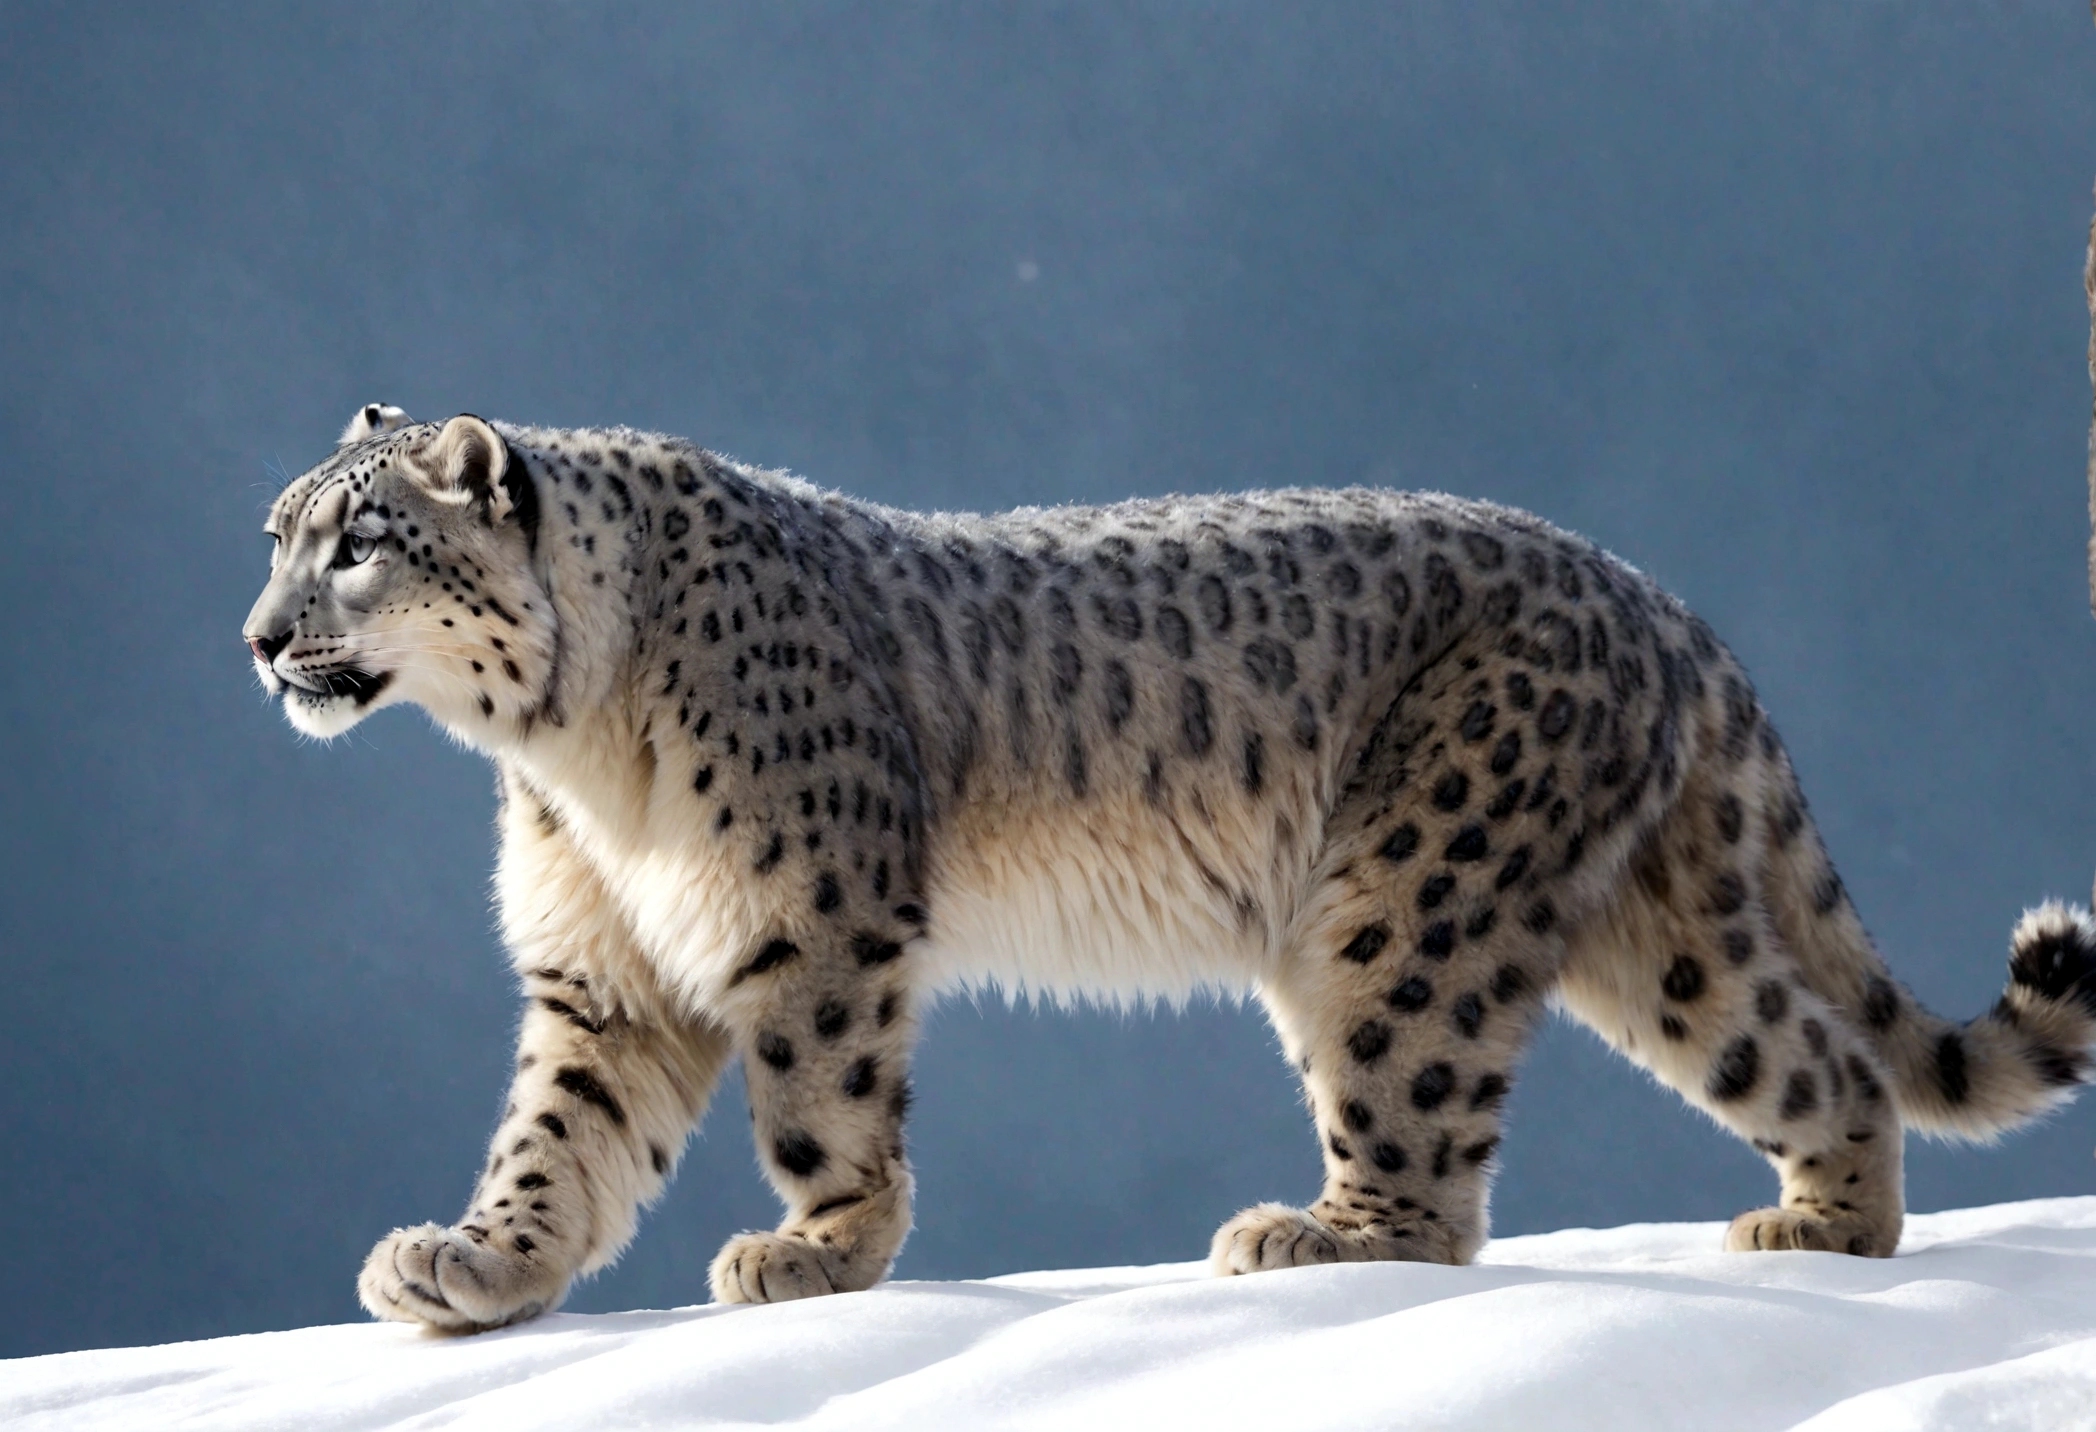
(1987, 1319)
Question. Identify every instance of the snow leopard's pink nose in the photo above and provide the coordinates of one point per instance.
(266, 648)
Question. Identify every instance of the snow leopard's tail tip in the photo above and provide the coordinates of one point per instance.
(2051, 997)
(2052, 956)
(2022, 1059)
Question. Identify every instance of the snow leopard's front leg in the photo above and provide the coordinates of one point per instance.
(609, 1082)
(823, 1018)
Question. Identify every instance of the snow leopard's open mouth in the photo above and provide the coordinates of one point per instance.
(360, 686)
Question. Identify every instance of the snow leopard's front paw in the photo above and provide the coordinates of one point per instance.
(1773, 1229)
(1273, 1235)
(444, 1279)
(771, 1268)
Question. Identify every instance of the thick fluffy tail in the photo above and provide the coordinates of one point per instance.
(2023, 1057)
(1975, 1080)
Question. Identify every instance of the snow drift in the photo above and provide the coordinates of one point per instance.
(1986, 1319)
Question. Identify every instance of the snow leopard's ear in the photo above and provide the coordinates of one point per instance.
(466, 463)
(371, 420)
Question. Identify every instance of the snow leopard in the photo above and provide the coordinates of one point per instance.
(778, 766)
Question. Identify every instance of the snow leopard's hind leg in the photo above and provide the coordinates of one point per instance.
(1490, 809)
(1688, 973)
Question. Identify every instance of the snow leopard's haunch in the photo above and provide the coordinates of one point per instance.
(779, 765)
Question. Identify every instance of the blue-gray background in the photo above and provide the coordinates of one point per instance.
(1779, 301)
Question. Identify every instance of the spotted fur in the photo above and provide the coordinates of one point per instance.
(779, 765)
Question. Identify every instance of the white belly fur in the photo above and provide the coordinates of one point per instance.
(1100, 907)
(1118, 903)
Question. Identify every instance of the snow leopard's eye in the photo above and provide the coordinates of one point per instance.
(355, 548)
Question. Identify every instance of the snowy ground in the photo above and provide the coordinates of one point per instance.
(1987, 1319)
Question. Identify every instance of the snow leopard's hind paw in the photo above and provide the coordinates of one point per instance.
(444, 1279)
(772, 1268)
(1273, 1235)
(1765, 1230)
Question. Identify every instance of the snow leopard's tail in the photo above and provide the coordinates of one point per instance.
(2019, 1060)
(1980, 1079)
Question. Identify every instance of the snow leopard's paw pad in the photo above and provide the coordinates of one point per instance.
(445, 1279)
(1273, 1235)
(770, 1268)
(1773, 1229)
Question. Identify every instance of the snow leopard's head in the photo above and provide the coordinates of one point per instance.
(403, 571)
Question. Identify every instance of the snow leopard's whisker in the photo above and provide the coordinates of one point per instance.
(406, 659)
(419, 668)
(432, 652)
(427, 648)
